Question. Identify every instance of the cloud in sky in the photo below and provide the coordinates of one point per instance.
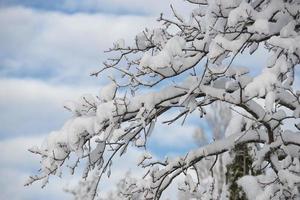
(59, 46)
(30, 106)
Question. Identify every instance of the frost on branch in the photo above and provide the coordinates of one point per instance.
(204, 44)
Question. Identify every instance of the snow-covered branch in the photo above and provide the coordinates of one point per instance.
(205, 44)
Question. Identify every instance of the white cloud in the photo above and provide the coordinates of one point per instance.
(26, 91)
(14, 151)
(67, 46)
(32, 106)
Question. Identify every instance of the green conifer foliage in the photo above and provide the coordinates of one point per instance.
(240, 166)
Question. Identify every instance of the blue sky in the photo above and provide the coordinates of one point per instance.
(48, 49)
(127, 7)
